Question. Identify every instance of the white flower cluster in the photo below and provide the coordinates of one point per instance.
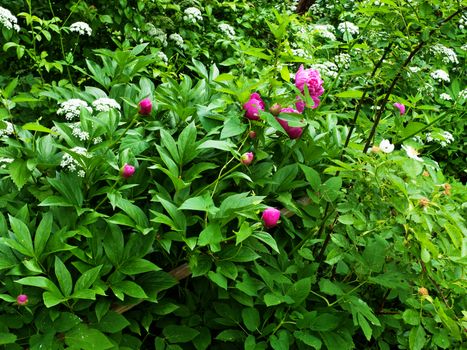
(72, 108)
(325, 31)
(104, 104)
(463, 94)
(443, 138)
(8, 20)
(71, 164)
(177, 38)
(81, 28)
(227, 30)
(446, 97)
(9, 130)
(328, 69)
(440, 75)
(192, 14)
(464, 47)
(299, 53)
(97, 140)
(5, 161)
(348, 27)
(343, 60)
(80, 134)
(157, 34)
(463, 22)
(163, 57)
(414, 69)
(447, 55)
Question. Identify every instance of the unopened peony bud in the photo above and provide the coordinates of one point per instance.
(252, 134)
(145, 106)
(271, 217)
(424, 202)
(247, 158)
(423, 291)
(127, 171)
(22, 299)
(275, 109)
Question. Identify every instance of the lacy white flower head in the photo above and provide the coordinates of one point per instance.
(8, 20)
(105, 104)
(177, 38)
(463, 94)
(157, 34)
(192, 14)
(446, 54)
(328, 69)
(70, 163)
(440, 75)
(81, 28)
(8, 130)
(80, 134)
(343, 60)
(386, 146)
(325, 31)
(71, 109)
(163, 57)
(300, 53)
(97, 140)
(227, 30)
(463, 22)
(412, 153)
(348, 27)
(446, 97)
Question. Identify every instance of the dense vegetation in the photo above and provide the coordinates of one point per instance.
(233, 175)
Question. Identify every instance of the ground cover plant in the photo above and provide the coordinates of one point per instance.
(233, 175)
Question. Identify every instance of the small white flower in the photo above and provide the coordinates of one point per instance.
(192, 14)
(97, 140)
(440, 75)
(72, 108)
(157, 34)
(9, 130)
(463, 94)
(163, 57)
(81, 28)
(348, 27)
(448, 136)
(227, 30)
(386, 146)
(104, 104)
(80, 134)
(8, 20)
(445, 96)
(446, 54)
(177, 38)
(343, 60)
(412, 153)
(70, 163)
(428, 137)
(81, 173)
(299, 53)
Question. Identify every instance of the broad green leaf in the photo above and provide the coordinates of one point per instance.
(330, 189)
(22, 235)
(63, 277)
(37, 127)
(83, 337)
(308, 339)
(169, 143)
(222, 145)
(187, 143)
(138, 265)
(130, 288)
(112, 322)
(299, 290)
(230, 335)
(201, 203)
(19, 172)
(179, 334)
(211, 235)
(311, 176)
(218, 279)
(43, 233)
(268, 239)
(411, 316)
(87, 279)
(251, 318)
(366, 328)
(51, 299)
(350, 94)
(417, 338)
(7, 338)
(243, 233)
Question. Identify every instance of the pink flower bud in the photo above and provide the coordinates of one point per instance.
(145, 106)
(400, 107)
(275, 109)
(270, 217)
(127, 171)
(253, 106)
(294, 132)
(247, 158)
(252, 134)
(22, 299)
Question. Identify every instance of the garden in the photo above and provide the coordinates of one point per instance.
(206, 174)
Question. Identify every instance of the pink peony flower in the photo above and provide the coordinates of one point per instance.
(312, 79)
(22, 299)
(127, 171)
(294, 132)
(145, 106)
(247, 158)
(401, 107)
(270, 217)
(253, 106)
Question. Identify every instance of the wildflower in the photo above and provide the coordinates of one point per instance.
(97, 140)
(81, 28)
(81, 173)
(104, 104)
(247, 158)
(192, 14)
(9, 130)
(270, 217)
(424, 202)
(5, 161)
(127, 171)
(69, 162)
(325, 31)
(446, 54)
(348, 27)
(386, 146)
(448, 136)
(145, 106)
(412, 153)
(177, 38)
(22, 299)
(8, 20)
(312, 79)
(227, 30)
(80, 134)
(463, 94)
(72, 108)
(294, 132)
(423, 291)
(343, 60)
(400, 107)
(440, 75)
(157, 34)
(253, 106)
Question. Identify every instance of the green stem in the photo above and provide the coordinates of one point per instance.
(103, 199)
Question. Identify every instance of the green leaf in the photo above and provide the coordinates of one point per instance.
(7, 338)
(211, 235)
(243, 233)
(130, 288)
(112, 322)
(51, 299)
(417, 338)
(87, 279)
(350, 94)
(228, 269)
(330, 288)
(330, 189)
(85, 338)
(271, 299)
(222, 145)
(232, 127)
(19, 172)
(169, 143)
(40, 282)
(43, 233)
(187, 143)
(218, 279)
(37, 127)
(201, 203)
(22, 235)
(300, 290)
(63, 277)
(138, 265)
(411, 317)
(308, 339)
(366, 328)
(324, 322)
(179, 334)
(311, 176)
(230, 335)
(268, 239)
(251, 319)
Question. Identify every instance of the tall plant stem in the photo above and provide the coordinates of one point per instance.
(420, 45)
